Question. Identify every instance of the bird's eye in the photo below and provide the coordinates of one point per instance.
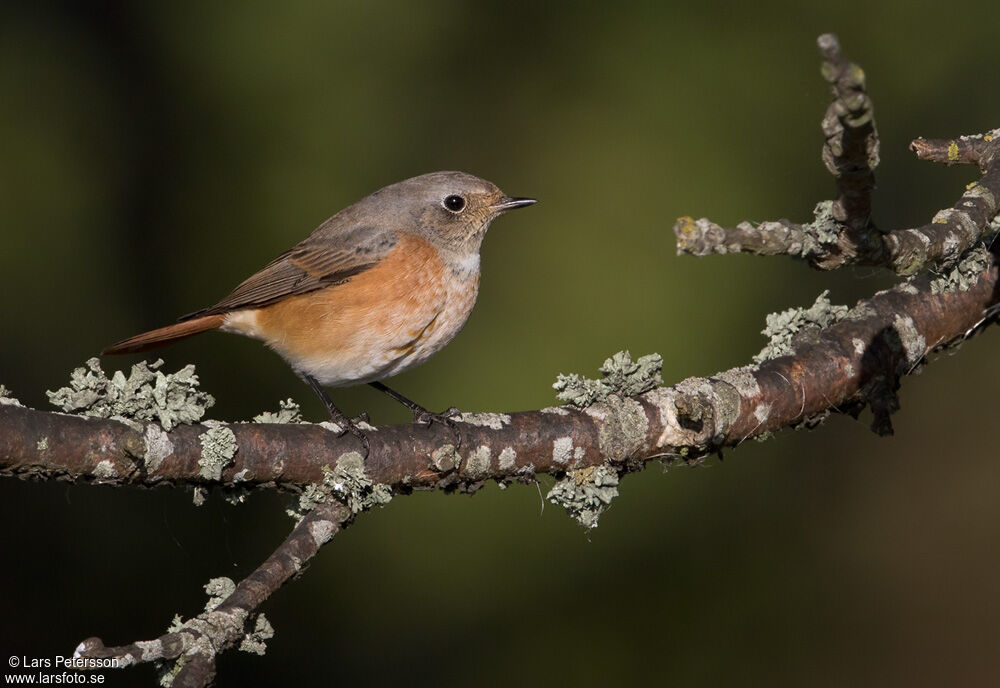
(454, 203)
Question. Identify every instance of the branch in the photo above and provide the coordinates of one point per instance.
(841, 232)
(194, 644)
(965, 150)
(850, 152)
(824, 369)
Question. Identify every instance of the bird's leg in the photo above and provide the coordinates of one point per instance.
(422, 415)
(336, 415)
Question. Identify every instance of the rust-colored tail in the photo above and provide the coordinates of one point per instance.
(165, 335)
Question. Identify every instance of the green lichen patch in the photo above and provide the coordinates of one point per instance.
(312, 495)
(621, 376)
(255, 642)
(218, 447)
(288, 412)
(965, 274)
(146, 394)
(822, 233)
(586, 492)
(347, 483)
(218, 589)
(782, 328)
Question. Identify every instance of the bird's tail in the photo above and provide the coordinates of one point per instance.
(166, 335)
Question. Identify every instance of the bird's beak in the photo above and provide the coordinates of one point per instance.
(507, 203)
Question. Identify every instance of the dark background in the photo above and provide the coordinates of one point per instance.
(155, 154)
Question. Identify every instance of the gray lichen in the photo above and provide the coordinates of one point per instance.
(562, 450)
(7, 398)
(964, 275)
(445, 458)
(236, 495)
(494, 421)
(620, 376)
(909, 340)
(313, 494)
(784, 327)
(105, 470)
(622, 427)
(218, 589)
(218, 447)
(353, 487)
(586, 492)
(507, 459)
(289, 412)
(158, 446)
(478, 462)
(822, 233)
(198, 495)
(742, 380)
(167, 671)
(347, 483)
(146, 394)
(255, 641)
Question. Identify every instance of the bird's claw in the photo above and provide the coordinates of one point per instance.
(422, 416)
(351, 425)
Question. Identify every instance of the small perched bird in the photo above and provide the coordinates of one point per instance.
(373, 291)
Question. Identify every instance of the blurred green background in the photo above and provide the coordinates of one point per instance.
(155, 154)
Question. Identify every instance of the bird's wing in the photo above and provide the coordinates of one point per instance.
(317, 262)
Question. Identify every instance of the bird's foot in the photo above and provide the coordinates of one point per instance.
(447, 418)
(351, 425)
(421, 415)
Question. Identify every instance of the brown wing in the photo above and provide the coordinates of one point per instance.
(317, 262)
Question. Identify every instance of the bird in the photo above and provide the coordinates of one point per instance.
(373, 291)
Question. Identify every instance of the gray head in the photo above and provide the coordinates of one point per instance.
(452, 210)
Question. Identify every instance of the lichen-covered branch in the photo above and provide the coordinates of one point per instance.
(841, 232)
(965, 150)
(186, 653)
(813, 370)
(850, 151)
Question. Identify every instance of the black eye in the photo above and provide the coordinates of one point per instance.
(454, 203)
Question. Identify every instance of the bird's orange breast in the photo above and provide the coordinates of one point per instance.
(379, 323)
